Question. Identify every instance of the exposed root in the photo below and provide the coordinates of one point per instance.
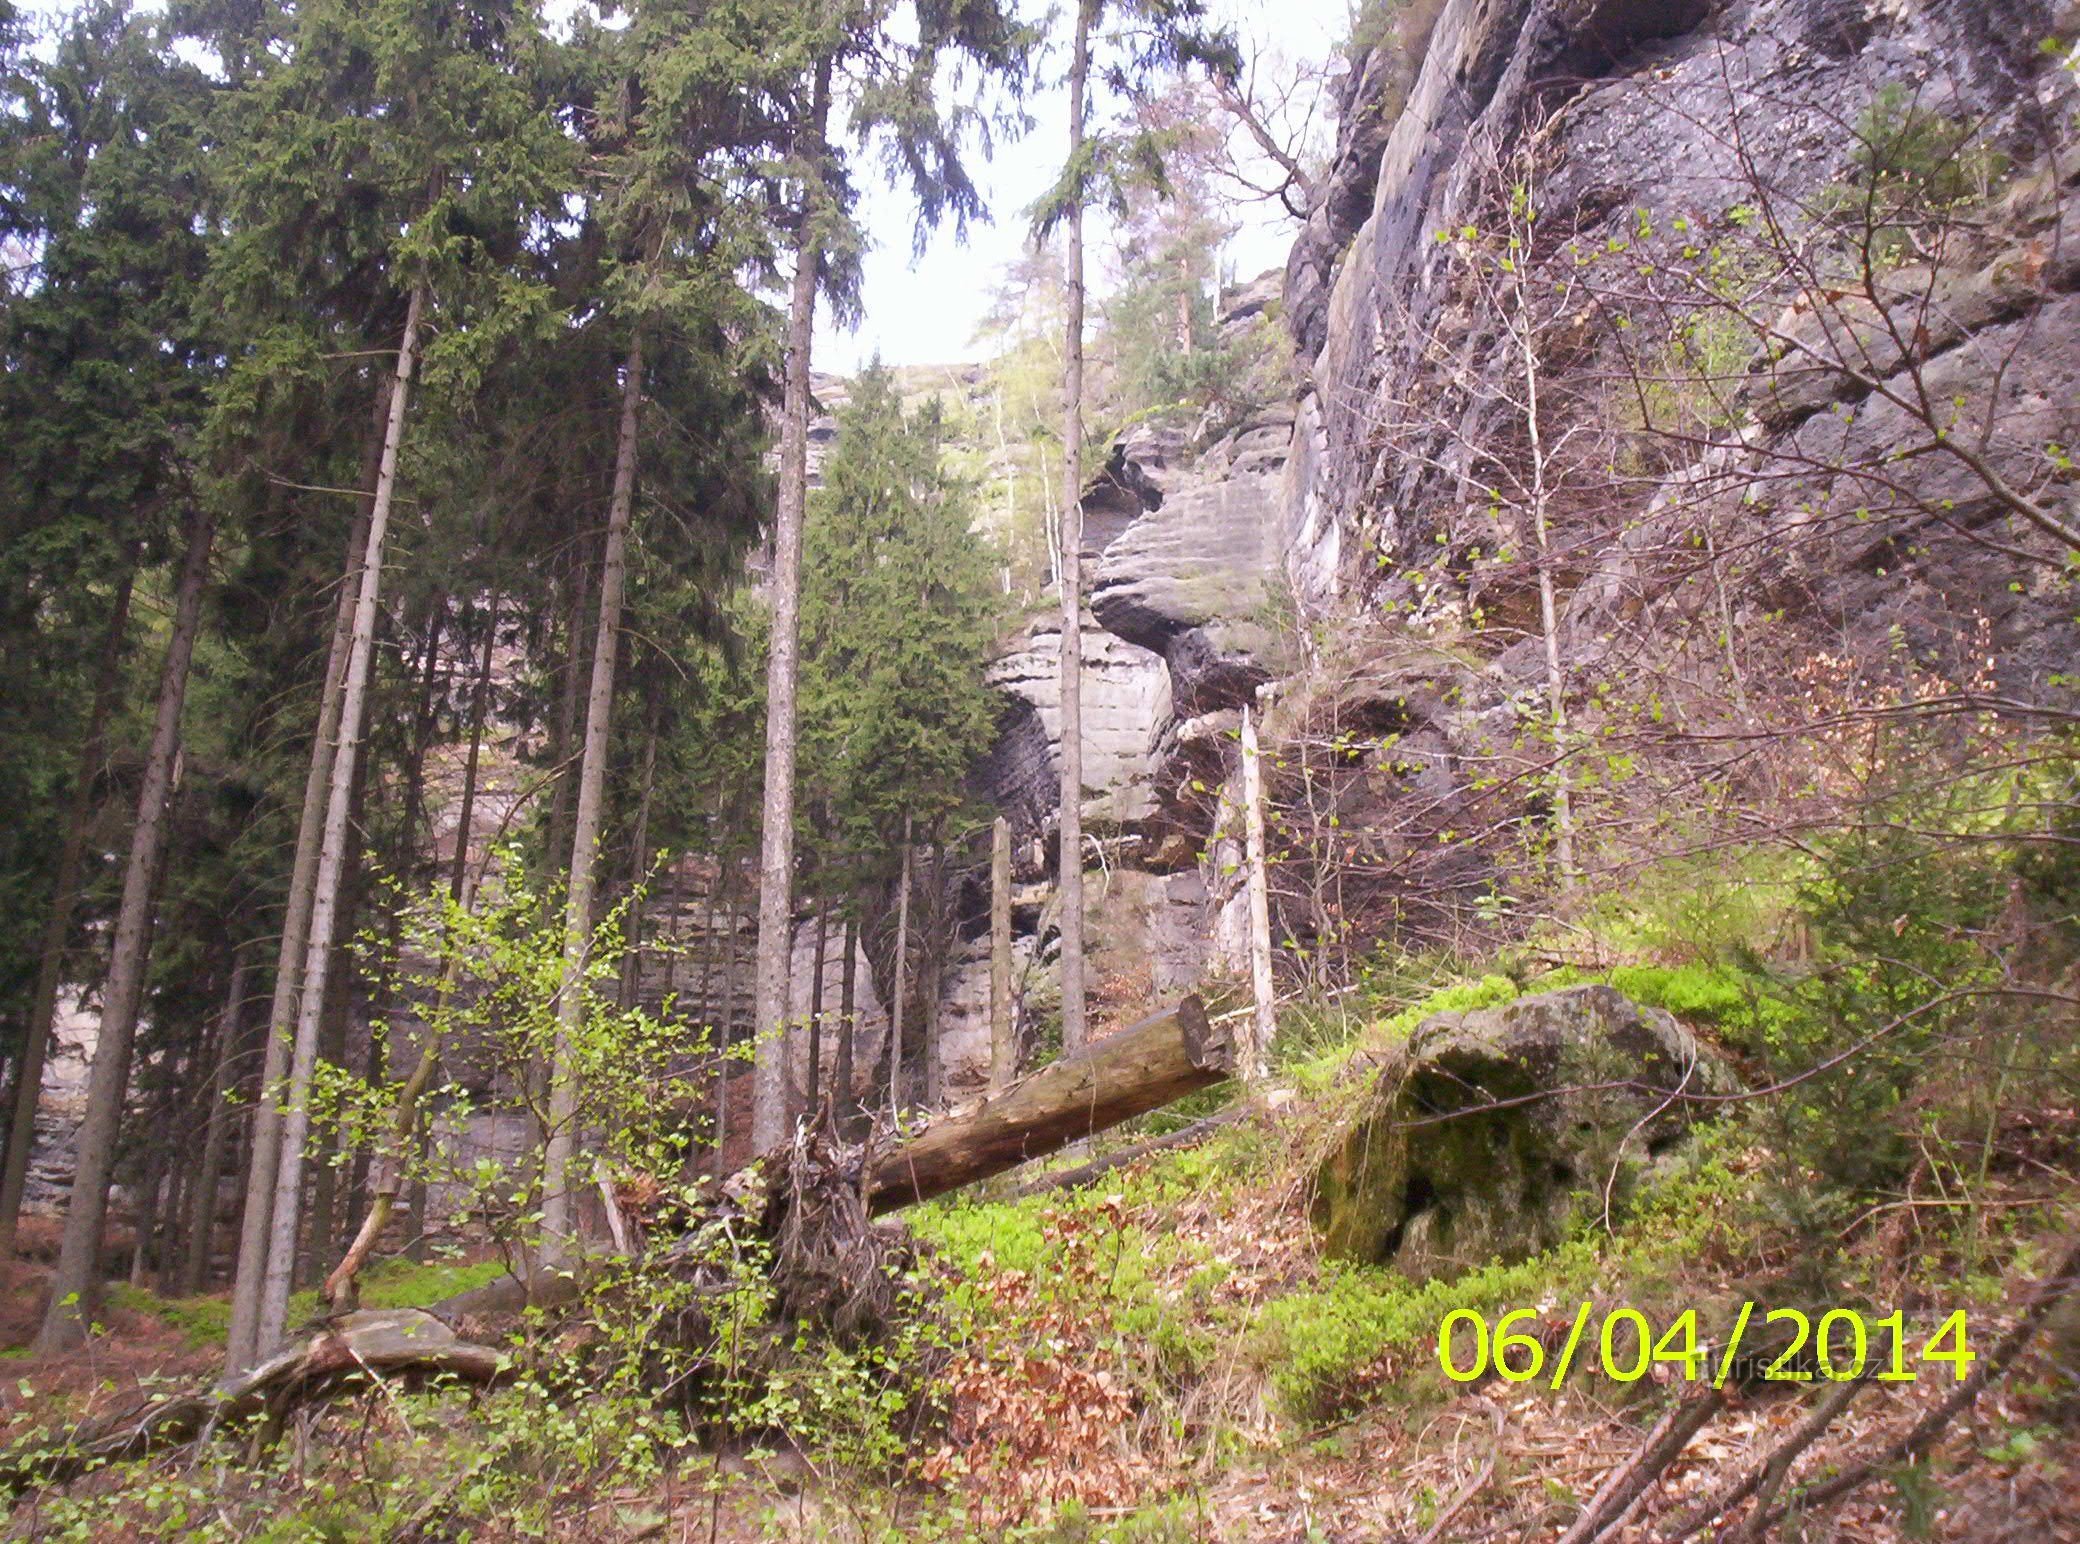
(349, 1352)
(832, 1266)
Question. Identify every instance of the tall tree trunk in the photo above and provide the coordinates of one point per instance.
(563, 729)
(557, 1209)
(316, 1252)
(202, 1197)
(1073, 1030)
(895, 1007)
(1548, 604)
(1003, 1043)
(151, 1185)
(813, 1084)
(152, 1182)
(264, 1146)
(769, 1113)
(77, 1280)
(639, 871)
(332, 858)
(848, 1031)
(57, 927)
(424, 723)
(934, 958)
(181, 1160)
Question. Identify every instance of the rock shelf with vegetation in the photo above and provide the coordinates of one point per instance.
(609, 935)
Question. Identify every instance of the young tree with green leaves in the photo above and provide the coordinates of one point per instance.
(415, 141)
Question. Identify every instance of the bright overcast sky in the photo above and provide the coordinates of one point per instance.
(928, 312)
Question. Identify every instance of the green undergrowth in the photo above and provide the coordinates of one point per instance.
(205, 1321)
(1332, 1335)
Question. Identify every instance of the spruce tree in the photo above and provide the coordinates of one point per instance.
(899, 611)
(391, 154)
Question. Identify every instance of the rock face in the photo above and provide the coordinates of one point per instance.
(1355, 563)
(1494, 1132)
(1187, 578)
(1644, 114)
(1181, 555)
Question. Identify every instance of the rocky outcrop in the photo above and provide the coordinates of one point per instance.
(1646, 115)
(1187, 579)
(1495, 1132)
(1362, 565)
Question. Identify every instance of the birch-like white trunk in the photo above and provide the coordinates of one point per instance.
(1257, 1044)
(332, 862)
(769, 1113)
(1003, 1047)
(1073, 1026)
(558, 1239)
(263, 1158)
(902, 975)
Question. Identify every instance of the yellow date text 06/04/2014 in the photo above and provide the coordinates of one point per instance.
(1764, 1345)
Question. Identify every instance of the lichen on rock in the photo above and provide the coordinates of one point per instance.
(1494, 1132)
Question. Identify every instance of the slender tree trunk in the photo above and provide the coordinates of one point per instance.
(479, 712)
(1073, 1027)
(732, 971)
(332, 858)
(181, 1160)
(1548, 605)
(424, 722)
(264, 1146)
(934, 958)
(712, 958)
(563, 729)
(202, 1199)
(57, 927)
(1003, 1045)
(151, 1186)
(639, 871)
(813, 1085)
(848, 1030)
(1257, 1044)
(895, 1007)
(312, 1258)
(77, 1279)
(558, 1217)
(769, 1113)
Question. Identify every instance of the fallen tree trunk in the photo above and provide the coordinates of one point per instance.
(356, 1348)
(829, 1264)
(1141, 1068)
(1198, 1131)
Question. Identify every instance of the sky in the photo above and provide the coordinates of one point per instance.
(928, 312)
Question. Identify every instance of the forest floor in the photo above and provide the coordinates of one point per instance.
(1167, 1355)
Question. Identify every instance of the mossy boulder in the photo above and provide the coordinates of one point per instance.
(1493, 1132)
